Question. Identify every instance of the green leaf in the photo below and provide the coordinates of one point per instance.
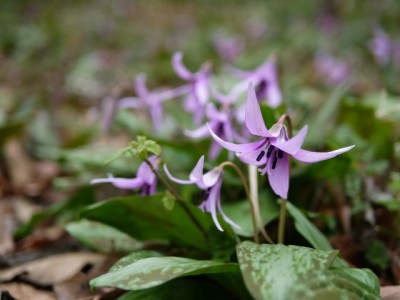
(133, 257)
(270, 271)
(147, 218)
(101, 237)
(240, 213)
(182, 289)
(308, 229)
(150, 272)
(334, 285)
(290, 272)
(365, 278)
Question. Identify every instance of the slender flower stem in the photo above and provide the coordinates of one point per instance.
(282, 213)
(282, 219)
(257, 223)
(182, 203)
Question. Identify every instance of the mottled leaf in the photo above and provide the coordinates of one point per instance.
(150, 272)
(270, 271)
(133, 257)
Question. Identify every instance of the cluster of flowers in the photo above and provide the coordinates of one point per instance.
(270, 152)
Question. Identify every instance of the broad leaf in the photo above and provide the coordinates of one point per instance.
(270, 271)
(147, 218)
(181, 289)
(133, 257)
(101, 237)
(311, 233)
(292, 272)
(150, 272)
(308, 229)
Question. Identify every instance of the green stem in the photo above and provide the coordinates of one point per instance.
(255, 212)
(282, 219)
(181, 202)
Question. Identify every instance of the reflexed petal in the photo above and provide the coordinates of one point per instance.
(145, 172)
(140, 85)
(212, 200)
(200, 132)
(179, 68)
(210, 178)
(310, 156)
(237, 147)
(215, 150)
(225, 217)
(196, 176)
(201, 90)
(294, 144)
(130, 102)
(180, 181)
(254, 120)
(121, 183)
(279, 177)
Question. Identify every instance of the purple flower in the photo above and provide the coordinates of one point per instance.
(381, 46)
(145, 180)
(221, 123)
(264, 79)
(210, 183)
(198, 88)
(150, 100)
(332, 69)
(273, 148)
(228, 47)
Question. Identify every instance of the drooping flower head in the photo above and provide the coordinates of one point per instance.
(198, 88)
(265, 81)
(220, 121)
(145, 181)
(271, 152)
(153, 101)
(210, 183)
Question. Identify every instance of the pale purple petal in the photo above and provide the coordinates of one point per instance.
(212, 200)
(254, 120)
(211, 177)
(247, 147)
(121, 183)
(215, 150)
(130, 102)
(180, 181)
(225, 217)
(310, 156)
(294, 144)
(145, 172)
(140, 86)
(251, 158)
(196, 176)
(179, 68)
(201, 90)
(201, 132)
(279, 177)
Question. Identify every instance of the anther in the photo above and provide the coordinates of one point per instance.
(269, 152)
(275, 161)
(280, 153)
(260, 155)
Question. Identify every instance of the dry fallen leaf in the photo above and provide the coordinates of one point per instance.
(53, 269)
(390, 292)
(24, 291)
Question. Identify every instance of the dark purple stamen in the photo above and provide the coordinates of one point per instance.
(280, 153)
(260, 155)
(275, 161)
(269, 152)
